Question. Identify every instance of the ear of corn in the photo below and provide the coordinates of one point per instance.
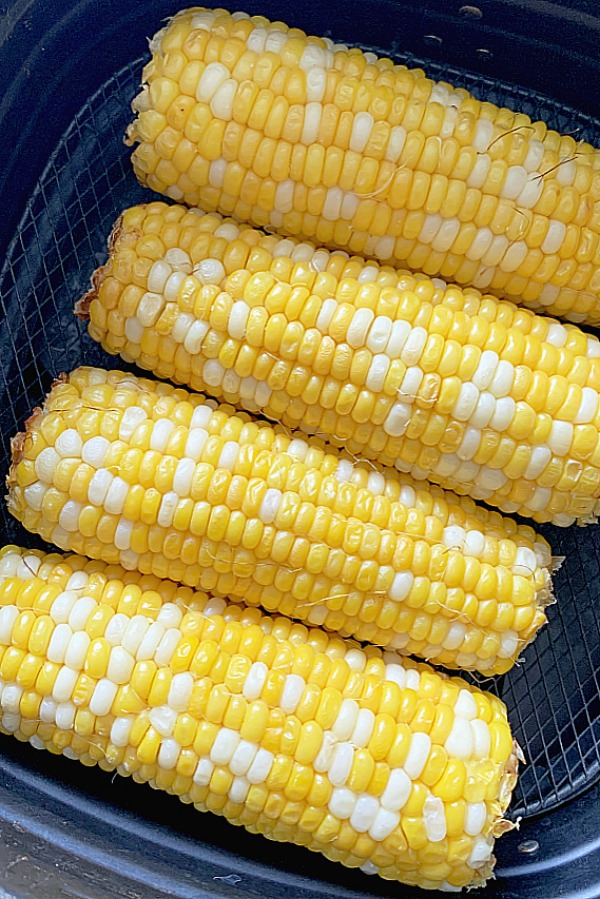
(244, 116)
(375, 762)
(132, 471)
(476, 394)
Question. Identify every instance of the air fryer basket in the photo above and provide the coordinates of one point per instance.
(553, 696)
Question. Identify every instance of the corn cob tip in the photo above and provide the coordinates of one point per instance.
(82, 306)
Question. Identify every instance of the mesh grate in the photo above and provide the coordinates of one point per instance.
(553, 698)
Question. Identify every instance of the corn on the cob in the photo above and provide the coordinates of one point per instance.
(244, 116)
(474, 393)
(374, 761)
(131, 471)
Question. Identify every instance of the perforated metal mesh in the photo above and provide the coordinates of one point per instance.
(553, 696)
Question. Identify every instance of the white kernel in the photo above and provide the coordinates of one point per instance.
(339, 771)
(209, 271)
(413, 348)
(62, 606)
(150, 642)
(479, 172)
(312, 122)
(325, 316)
(167, 508)
(65, 684)
(213, 76)
(459, 742)
(260, 767)
(167, 646)
(213, 373)
(514, 182)
(181, 326)
(238, 790)
(481, 852)
(180, 691)
(228, 456)
(514, 256)
(255, 681)
(115, 628)
(480, 244)
(99, 486)
(465, 705)
(48, 710)
(401, 586)
(397, 420)
(376, 483)
(384, 824)
(203, 773)
(398, 338)
(484, 132)
(455, 636)
(466, 402)
(446, 235)
(481, 738)
(588, 407)
(238, 319)
(69, 443)
(454, 537)
(284, 196)
(34, 495)
(350, 204)
(221, 104)
(396, 673)
(163, 719)
(397, 790)
(120, 665)
(531, 192)
(554, 237)
(509, 643)
(193, 340)
(342, 802)
(475, 818)
(45, 464)
(361, 131)
(224, 746)
(363, 728)
(346, 719)
(161, 432)
(503, 379)
(359, 327)
(365, 812)
(195, 443)
(133, 416)
(503, 414)
(396, 143)
(158, 276)
(378, 370)
(183, 477)
(356, 659)
(119, 732)
(431, 226)
(474, 543)
(76, 651)
(69, 516)
(293, 688)
(560, 437)
(333, 204)
(242, 758)
(65, 715)
(116, 496)
(11, 698)
(168, 754)
(316, 82)
(535, 155)
(418, 753)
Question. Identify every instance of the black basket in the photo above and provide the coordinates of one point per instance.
(73, 179)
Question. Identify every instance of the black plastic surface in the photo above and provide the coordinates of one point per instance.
(552, 698)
